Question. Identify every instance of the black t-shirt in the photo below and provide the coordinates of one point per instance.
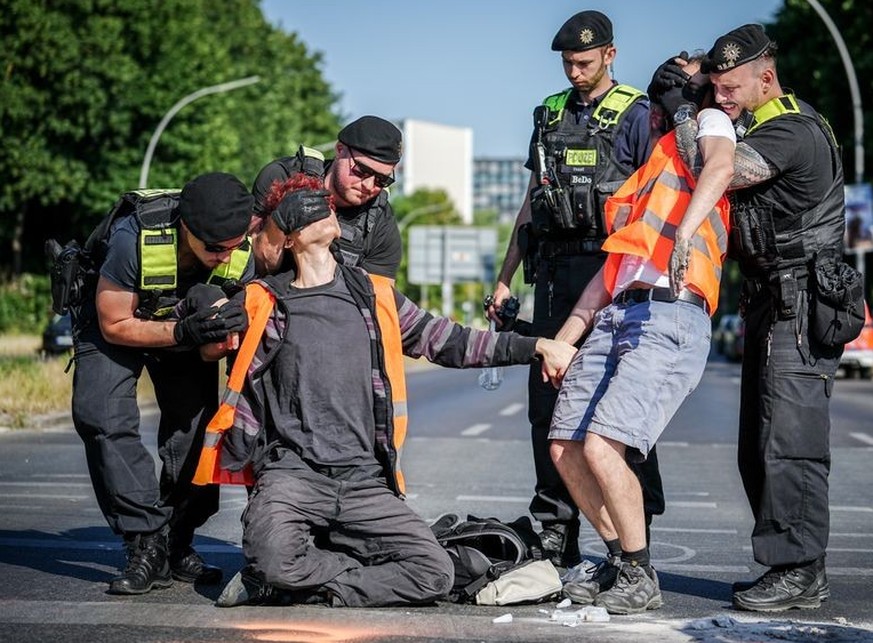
(796, 146)
(321, 397)
(384, 249)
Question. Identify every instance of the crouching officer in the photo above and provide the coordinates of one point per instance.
(150, 250)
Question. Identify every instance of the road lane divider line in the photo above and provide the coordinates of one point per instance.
(851, 509)
(512, 409)
(687, 530)
(492, 498)
(866, 438)
(476, 429)
(692, 504)
(47, 543)
(45, 484)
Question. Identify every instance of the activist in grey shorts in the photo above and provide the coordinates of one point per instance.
(640, 362)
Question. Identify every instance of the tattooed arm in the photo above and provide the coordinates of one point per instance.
(750, 168)
(686, 143)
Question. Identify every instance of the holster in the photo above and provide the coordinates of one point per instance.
(529, 245)
(66, 277)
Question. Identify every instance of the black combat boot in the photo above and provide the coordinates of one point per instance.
(561, 543)
(186, 564)
(784, 588)
(821, 577)
(147, 565)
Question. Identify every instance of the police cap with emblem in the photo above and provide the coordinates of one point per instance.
(373, 137)
(738, 47)
(216, 207)
(586, 30)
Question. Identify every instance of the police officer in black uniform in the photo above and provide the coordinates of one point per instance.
(787, 223)
(159, 245)
(587, 140)
(367, 151)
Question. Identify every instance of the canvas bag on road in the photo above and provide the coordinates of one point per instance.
(496, 563)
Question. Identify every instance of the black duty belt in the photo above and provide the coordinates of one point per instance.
(639, 295)
(551, 248)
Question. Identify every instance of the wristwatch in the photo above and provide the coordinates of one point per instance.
(685, 112)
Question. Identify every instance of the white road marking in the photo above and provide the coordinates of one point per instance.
(686, 530)
(512, 409)
(475, 430)
(855, 509)
(493, 498)
(44, 496)
(684, 567)
(667, 443)
(45, 484)
(690, 504)
(866, 438)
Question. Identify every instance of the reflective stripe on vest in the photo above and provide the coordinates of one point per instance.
(157, 252)
(392, 344)
(259, 306)
(614, 103)
(645, 212)
(233, 269)
(785, 104)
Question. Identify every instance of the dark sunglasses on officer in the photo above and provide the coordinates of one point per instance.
(364, 172)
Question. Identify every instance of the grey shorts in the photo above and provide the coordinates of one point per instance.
(634, 370)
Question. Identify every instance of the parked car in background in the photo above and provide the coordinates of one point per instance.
(857, 359)
(57, 338)
(728, 336)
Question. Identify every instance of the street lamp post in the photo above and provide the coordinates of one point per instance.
(853, 88)
(190, 98)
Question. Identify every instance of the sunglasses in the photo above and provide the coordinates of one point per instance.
(364, 172)
(220, 249)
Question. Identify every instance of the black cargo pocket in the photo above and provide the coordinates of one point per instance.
(800, 423)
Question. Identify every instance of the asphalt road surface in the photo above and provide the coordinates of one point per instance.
(468, 452)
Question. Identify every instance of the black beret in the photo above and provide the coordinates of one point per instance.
(216, 207)
(373, 137)
(586, 30)
(738, 47)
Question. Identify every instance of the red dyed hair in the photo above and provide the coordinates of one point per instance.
(299, 181)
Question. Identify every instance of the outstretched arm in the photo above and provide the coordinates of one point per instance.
(593, 298)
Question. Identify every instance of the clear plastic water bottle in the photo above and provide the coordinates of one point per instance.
(491, 377)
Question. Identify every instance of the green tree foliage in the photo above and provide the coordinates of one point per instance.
(85, 83)
(810, 64)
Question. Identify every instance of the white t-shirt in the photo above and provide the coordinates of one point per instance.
(634, 269)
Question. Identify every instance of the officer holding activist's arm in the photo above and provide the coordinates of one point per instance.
(145, 257)
(586, 141)
(788, 219)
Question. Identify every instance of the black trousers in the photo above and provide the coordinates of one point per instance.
(307, 532)
(784, 449)
(106, 415)
(559, 283)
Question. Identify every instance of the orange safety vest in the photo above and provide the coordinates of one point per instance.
(643, 216)
(259, 305)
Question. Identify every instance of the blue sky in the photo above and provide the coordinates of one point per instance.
(485, 64)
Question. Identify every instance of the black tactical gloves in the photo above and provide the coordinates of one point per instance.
(669, 74)
(205, 322)
(201, 327)
(234, 314)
